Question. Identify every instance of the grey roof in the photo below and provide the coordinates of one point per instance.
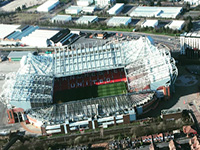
(18, 54)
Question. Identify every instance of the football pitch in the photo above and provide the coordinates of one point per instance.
(90, 92)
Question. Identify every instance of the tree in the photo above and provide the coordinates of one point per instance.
(23, 6)
(18, 9)
(151, 3)
(159, 3)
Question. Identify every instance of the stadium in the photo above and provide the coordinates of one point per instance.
(89, 85)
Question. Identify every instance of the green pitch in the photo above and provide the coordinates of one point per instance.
(90, 92)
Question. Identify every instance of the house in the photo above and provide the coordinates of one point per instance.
(158, 137)
(194, 143)
(147, 139)
(168, 136)
(189, 131)
(173, 145)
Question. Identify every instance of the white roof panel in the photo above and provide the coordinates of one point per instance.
(6, 29)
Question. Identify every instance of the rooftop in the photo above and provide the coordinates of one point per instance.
(120, 20)
(84, 19)
(21, 32)
(48, 4)
(115, 8)
(9, 29)
(176, 24)
(18, 54)
(62, 17)
(150, 23)
(61, 34)
(162, 12)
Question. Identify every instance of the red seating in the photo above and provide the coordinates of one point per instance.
(89, 79)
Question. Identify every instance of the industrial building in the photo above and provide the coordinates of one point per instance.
(89, 10)
(149, 23)
(87, 20)
(61, 19)
(48, 5)
(157, 12)
(84, 2)
(6, 29)
(176, 24)
(73, 10)
(116, 9)
(144, 68)
(63, 37)
(118, 21)
(17, 55)
(38, 38)
(190, 41)
(192, 2)
(104, 3)
(21, 32)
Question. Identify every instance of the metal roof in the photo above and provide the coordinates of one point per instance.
(6, 29)
(115, 8)
(117, 21)
(86, 19)
(162, 12)
(18, 54)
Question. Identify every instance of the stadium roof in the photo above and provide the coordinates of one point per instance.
(86, 19)
(6, 29)
(84, 109)
(62, 18)
(143, 63)
(158, 12)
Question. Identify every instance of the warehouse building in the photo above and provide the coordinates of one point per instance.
(73, 10)
(118, 21)
(176, 24)
(63, 37)
(84, 2)
(17, 55)
(150, 23)
(61, 19)
(87, 19)
(89, 10)
(157, 12)
(38, 38)
(48, 5)
(21, 32)
(190, 41)
(192, 2)
(116, 9)
(6, 29)
(104, 3)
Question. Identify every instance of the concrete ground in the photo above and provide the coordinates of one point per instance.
(185, 91)
(19, 3)
(5, 68)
